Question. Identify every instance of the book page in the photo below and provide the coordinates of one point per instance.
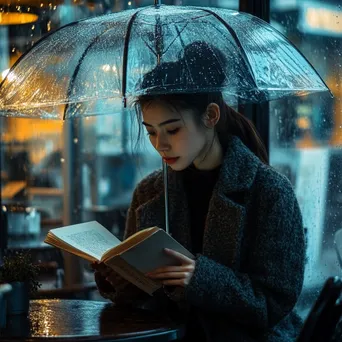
(90, 238)
(134, 239)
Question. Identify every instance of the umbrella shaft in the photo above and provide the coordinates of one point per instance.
(166, 194)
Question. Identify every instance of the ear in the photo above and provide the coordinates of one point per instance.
(212, 115)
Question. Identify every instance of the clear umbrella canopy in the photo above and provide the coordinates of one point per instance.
(105, 58)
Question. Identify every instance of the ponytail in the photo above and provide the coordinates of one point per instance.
(236, 124)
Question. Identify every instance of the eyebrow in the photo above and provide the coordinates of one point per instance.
(162, 123)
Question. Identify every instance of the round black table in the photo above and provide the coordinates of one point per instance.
(83, 320)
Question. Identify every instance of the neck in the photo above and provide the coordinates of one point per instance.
(211, 157)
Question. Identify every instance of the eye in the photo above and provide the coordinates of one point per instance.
(173, 131)
(151, 133)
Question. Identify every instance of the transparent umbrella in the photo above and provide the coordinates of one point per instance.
(106, 58)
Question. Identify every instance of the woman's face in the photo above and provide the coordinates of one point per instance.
(175, 135)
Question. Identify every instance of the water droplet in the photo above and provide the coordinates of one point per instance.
(75, 140)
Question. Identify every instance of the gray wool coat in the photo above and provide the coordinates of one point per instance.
(250, 274)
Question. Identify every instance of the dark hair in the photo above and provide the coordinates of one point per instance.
(201, 73)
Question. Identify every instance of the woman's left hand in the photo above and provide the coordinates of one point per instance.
(175, 275)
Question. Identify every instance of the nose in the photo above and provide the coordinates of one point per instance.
(162, 144)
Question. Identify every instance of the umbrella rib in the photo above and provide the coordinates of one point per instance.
(78, 66)
(178, 35)
(146, 43)
(178, 32)
(74, 75)
(125, 55)
(236, 39)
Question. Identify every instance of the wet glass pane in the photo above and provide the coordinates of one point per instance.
(32, 151)
(306, 139)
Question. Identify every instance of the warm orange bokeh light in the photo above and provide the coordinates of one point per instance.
(12, 18)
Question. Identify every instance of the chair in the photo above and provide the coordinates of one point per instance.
(324, 320)
(338, 245)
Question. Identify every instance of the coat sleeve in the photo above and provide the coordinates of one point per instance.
(269, 287)
(131, 219)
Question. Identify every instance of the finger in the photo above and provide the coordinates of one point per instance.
(184, 268)
(179, 256)
(94, 266)
(105, 273)
(103, 265)
(100, 266)
(112, 279)
(115, 279)
(109, 277)
(170, 275)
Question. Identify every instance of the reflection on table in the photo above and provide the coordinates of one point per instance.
(83, 320)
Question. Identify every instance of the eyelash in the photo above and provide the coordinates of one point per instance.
(172, 132)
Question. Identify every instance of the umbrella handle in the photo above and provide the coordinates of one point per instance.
(157, 3)
(166, 195)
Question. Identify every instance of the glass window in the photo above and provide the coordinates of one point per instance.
(305, 135)
(32, 152)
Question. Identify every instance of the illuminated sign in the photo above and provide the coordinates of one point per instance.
(320, 19)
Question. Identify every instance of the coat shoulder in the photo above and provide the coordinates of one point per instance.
(149, 186)
(271, 183)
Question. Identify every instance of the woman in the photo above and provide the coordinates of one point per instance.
(227, 205)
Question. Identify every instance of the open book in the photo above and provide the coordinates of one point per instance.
(140, 253)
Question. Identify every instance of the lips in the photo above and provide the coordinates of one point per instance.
(170, 160)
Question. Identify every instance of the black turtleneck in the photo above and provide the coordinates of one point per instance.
(199, 185)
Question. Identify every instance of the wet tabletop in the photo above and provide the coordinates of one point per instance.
(82, 320)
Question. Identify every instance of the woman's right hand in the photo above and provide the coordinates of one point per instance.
(101, 273)
(104, 273)
(101, 268)
(114, 287)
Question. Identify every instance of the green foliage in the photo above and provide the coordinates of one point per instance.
(19, 267)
